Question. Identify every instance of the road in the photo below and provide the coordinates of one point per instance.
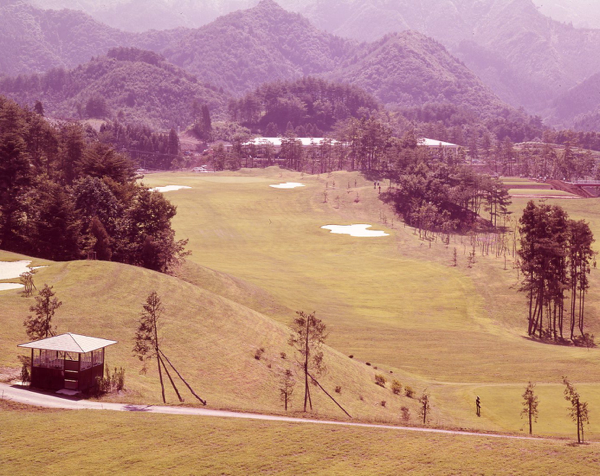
(28, 397)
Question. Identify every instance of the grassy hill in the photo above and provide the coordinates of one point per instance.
(211, 339)
(259, 254)
(134, 443)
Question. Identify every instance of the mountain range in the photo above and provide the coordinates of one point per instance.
(241, 50)
(518, 55)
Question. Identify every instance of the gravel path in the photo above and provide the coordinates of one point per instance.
(28, 397)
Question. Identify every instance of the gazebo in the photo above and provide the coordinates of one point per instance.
(70, 361)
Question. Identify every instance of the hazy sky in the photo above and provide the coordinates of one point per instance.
(582, 13)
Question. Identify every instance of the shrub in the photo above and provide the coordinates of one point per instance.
(338, 389)
(380, 380)
(409, 392)
(383, 402)
(351, 356)
(283, 355)
(405, 414)
(111, 383)
(396, 387)
(259, 352)
(368, 363)
(25, 377)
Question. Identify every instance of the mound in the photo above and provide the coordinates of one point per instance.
(212, 340)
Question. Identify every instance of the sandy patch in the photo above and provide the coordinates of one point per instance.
(13, 269)
(288, 185)
(168, 188)
(359, 230)
(8, 286)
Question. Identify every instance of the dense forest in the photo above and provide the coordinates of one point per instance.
(64, 195)
(128, 84)
(314, 104)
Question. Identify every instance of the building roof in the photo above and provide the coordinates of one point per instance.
(69, 343)
(435, 143)
(276, 141)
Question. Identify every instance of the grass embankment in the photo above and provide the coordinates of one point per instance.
(137, 443)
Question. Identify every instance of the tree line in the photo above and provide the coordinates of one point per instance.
(555, 258)
(64, 195)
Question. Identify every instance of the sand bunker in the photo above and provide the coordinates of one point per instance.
(168, 188)
(8, 286)
(12, 270)
(288, 185)
(355, 230)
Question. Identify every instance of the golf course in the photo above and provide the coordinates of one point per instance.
(396, 309)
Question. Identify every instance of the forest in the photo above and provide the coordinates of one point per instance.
(65, 195)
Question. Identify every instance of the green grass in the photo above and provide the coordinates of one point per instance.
(537, 191)
(259, 254)
(85, 442)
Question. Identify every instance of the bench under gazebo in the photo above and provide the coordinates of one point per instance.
(70, 361)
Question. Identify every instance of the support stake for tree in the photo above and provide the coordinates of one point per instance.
(327, 393)
(170, 379)
(182, 379)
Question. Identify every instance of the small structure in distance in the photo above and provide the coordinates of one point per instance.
(69, 361)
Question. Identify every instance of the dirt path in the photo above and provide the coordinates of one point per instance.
(28, 397)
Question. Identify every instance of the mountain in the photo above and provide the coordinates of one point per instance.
(527, 58)
(244, 49)
(35, 40)
(580, 106)
(135, 86)
(410, 69)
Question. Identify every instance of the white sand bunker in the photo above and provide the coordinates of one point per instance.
(355, 230)
(288, 185)
(8, 286)
(12, 270)
(168, 188)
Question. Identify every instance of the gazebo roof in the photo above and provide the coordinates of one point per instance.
(69, 343)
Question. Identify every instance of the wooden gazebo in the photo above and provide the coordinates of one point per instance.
(70, 361)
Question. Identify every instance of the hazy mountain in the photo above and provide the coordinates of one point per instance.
(132, 85)
(410, 69)
(525, 56)
(35, 40)
(244, 49)
(580, 106)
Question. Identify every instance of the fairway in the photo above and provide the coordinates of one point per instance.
(394, 306)
(392, 301)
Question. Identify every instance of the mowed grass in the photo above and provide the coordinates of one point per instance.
(394, 301)
(212, 340)
(84, 442)
(536, 191)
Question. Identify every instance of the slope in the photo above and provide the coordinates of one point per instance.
(129, 84)
(212, 340)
